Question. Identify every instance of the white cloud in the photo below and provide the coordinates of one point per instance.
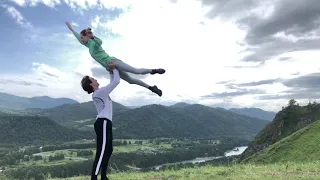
(74, 24)
(49, 3)
(17, 16)
(77, 4)
(95, 22)
(19, 2)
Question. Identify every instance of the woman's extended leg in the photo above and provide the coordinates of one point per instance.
(121, 66)
(125, 76)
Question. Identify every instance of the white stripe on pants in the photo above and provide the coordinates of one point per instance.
(104, 139)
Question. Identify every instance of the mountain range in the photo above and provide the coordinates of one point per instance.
(150, 121)
(17, 102)
(8, 101)
(255, 112)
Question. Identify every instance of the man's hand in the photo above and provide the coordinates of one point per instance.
(112, 65)
(69, 26)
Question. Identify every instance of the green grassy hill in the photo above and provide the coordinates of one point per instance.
(222, 122)
(301, 146)
(301, 171)
(24, 130)
(290, 119)
(196, 121)
(73, 112)
(306, 171)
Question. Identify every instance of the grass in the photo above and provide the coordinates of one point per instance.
(301, 146)
(235, 172)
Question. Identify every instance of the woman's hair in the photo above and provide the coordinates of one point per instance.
(83, 32)
(85, 83)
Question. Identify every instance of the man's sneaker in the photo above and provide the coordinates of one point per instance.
(156, 90)
(159, 71)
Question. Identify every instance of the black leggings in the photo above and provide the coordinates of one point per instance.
(104, 149)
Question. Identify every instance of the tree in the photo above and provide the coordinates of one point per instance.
(292, 102)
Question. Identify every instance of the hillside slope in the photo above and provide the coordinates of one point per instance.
(24, 130)
(153, 121)
(225, 123)
(72, 112)
(299, 171)
(301, 146)
(195, 121)
(17, 102)
(254, 112)
(287, 121)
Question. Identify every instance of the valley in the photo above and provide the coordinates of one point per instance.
(59, 142)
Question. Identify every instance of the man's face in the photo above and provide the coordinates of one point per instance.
(94, 82)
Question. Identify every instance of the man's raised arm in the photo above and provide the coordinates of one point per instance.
(114, 81)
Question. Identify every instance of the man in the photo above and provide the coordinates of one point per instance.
(103, 123)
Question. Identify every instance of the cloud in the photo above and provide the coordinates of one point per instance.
(225, 82)
(308, 81)
(76, 4)
(48, 80)
(240, 92)
(257, 83)
(291, 17)
(285, 58)
(291, 26)
(273, 27)
(21, 82)
(228, 9)
(95, 22)
(305, 81)
(303, 87)
(248, 66)
(17, 16)
(74, 24)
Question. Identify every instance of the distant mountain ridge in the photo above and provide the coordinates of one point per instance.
(251, 112)
(9, 101)
(153, 121)
(255, 112)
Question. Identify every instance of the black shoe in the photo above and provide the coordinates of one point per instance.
(159, 71)
(104, 178)
(156, 90)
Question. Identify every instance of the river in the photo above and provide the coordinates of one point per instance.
(235, 151)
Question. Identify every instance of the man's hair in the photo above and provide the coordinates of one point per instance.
(85, 83)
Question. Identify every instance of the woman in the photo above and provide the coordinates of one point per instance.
(87, 39)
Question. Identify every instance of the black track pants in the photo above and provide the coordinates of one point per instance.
(104, 149)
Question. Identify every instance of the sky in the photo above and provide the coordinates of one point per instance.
(230, 54)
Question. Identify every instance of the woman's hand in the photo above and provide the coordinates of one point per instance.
(69, 26)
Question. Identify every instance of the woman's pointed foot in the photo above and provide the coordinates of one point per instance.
(156, 90)
(159, 71)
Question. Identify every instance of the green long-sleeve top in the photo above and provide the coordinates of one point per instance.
(96, 51)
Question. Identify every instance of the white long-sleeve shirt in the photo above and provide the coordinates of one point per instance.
(101, 98)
